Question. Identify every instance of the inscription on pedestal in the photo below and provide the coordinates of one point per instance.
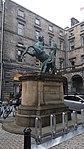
(52, 93)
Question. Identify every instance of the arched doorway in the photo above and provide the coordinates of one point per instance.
(77, 84)
(65, 85)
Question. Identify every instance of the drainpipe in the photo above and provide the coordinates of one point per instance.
(2, 28)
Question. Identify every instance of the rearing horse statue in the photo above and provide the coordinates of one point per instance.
(48, 60)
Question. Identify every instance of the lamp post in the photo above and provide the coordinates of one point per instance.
(2, 28)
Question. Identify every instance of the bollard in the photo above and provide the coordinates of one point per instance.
(27, 138)
(38, 130)
(82, 117)
(65, 122)
(74, 118)
(53, 125)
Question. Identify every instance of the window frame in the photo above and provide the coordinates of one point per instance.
(71, 33)
(19, 55)
(37, 22)
(82, 58)
(73, 45)
(61, 62)
(38, 63)
(50, 40)
(20, 29)
(37, 33)
(72, 62)
(82, 27)
(20, 13)
(50, 28)
(61, 44)
(82, 40)
(61, 33)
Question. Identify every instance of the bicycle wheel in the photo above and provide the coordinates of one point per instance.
(5, 114)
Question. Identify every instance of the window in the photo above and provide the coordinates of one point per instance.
(20, 13)
(50, 28)
(82, 58)
(37, 21)
(82, 27)
(72, 62)
(61, 61)
(20, 29)
(17, 89)
(82, 40)
(38, 63)
(20, 45)
(50, 40)
(71, 44)
(37, 33)
(71, 33)
(61, 44)
(61, 33)
(19, 53)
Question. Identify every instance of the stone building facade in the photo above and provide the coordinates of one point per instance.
(19, 28)
(75, 58)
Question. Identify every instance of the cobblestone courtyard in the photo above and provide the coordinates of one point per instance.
(15, 141)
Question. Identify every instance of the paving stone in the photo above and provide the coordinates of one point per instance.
(16, 141)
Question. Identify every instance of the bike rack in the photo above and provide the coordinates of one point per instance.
(54, 132)
(82, 117)
(53, 125)
(65, 122)
(74, 118)
(38, 129)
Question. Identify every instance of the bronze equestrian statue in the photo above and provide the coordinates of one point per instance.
(48, 60)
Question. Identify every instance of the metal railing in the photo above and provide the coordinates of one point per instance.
(82, 117)
(38, 129)
(65, 121)
(74, 119)
(53, 125)
(53, 128)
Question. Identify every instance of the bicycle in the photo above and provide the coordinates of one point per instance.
(9, 108)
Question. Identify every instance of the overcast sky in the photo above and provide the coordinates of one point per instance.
(57, 11)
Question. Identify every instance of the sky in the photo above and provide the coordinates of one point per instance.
(58, 12)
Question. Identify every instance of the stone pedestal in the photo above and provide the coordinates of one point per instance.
(42, 95)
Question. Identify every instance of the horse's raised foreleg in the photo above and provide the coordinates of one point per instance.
(30, 50)
(25, 52)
